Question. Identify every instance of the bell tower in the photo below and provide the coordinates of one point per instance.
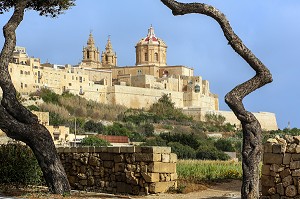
(109, 57)
(91, 54)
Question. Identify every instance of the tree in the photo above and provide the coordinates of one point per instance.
(16, 120)
(252, 147)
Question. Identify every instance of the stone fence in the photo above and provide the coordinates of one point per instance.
(281, 168)
(130, 170)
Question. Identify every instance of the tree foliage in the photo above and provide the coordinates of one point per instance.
(94, 141)
(51, 8)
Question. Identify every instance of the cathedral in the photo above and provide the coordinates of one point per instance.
(99, 78)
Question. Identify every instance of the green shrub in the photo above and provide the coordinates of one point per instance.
(157, 141)
(94, 141)
(91, 126)
(19, 166)
(224, 145)
(182, 151)
(210, 153)
(33, 108)
(184, 139)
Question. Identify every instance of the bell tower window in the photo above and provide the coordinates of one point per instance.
(146, 56)
(156, 56)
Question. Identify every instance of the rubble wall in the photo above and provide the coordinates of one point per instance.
(280, 177)
(128, 170)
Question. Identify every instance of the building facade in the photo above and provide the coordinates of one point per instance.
(102, 80)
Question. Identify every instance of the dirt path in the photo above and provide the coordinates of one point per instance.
(218, 191)
(223, 190)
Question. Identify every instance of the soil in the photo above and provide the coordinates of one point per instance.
(223, 190)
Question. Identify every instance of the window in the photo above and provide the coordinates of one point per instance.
(80, 79)
(146, 56)
(25, 85)
(70, 84)
(21, 72)
(10, 70)
(139, 72)
(88, 54)
(156, 56)
(21, 85)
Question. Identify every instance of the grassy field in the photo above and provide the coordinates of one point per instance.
(208, 170)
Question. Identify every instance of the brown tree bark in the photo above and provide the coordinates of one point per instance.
(18, 122)
(252, 147)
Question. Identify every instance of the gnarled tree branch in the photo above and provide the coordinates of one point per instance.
(18, 122)
(251, 127)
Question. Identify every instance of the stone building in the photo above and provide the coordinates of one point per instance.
(137, 86)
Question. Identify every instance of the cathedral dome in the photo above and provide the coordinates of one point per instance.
(151, 39)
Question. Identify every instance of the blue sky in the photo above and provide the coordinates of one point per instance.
(271, 29)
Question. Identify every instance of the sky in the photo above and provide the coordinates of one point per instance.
(269, 28)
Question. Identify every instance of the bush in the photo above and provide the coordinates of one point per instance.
(224, 145)
(184, 139)
(182, 151)
(210, 153)
(19, 165)
(96, 127)
(94, 141)
(157, 141)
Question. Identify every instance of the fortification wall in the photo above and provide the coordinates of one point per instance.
(281, 168)
(267, 120)
(132, 170)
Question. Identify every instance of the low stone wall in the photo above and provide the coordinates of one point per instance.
(131, 170)
(281, 168)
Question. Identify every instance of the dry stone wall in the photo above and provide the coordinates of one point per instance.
(130, 170)
(281, 168)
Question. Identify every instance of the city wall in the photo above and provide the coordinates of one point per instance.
(281, 168)
(127, 170)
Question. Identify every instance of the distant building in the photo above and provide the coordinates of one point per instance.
(138, 86)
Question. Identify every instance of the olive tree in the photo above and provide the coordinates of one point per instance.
(15, 120)
(252, 147)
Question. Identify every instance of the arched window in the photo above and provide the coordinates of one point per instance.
(88, 54)
(156, 56)
(146, 56)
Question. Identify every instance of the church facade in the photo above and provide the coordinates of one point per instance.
(99, 78)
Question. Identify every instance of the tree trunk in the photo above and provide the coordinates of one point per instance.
(252, 147)
(18, 122)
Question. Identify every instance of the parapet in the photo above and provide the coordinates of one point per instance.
(126, 170)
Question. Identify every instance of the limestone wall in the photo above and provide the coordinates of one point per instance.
(281, 168)
(132, 170)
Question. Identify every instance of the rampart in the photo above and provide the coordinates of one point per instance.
(281, 168)
(128, 170)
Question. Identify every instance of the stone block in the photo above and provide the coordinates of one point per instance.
(151, 177)
(297, 149)
(98, 149)
(119, 158)
(67, 150)
(94, 161)
(165, 157)
(265, 169)
(275, 196)
(155, 149)
(291, 148)
(173, 176)
(271, 158)
(108, 164)
(162, 167)
(60, 149)
(295, 157)
(265, 190)
(280, 189)
(297, 139)
(113, 149)
(291, 191)
(83, 149)
(295, 165)
(288, 180)
(73, 149)
(119, 167)
(268, 147)
(287, 158)
(276, 168)
(123, 187)
(106, 156)
(147, 157)
(285, 173)
(161, 187)
(278, 148)
(267, 181)
(296, 173)
(173, 158)
(127, 149)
